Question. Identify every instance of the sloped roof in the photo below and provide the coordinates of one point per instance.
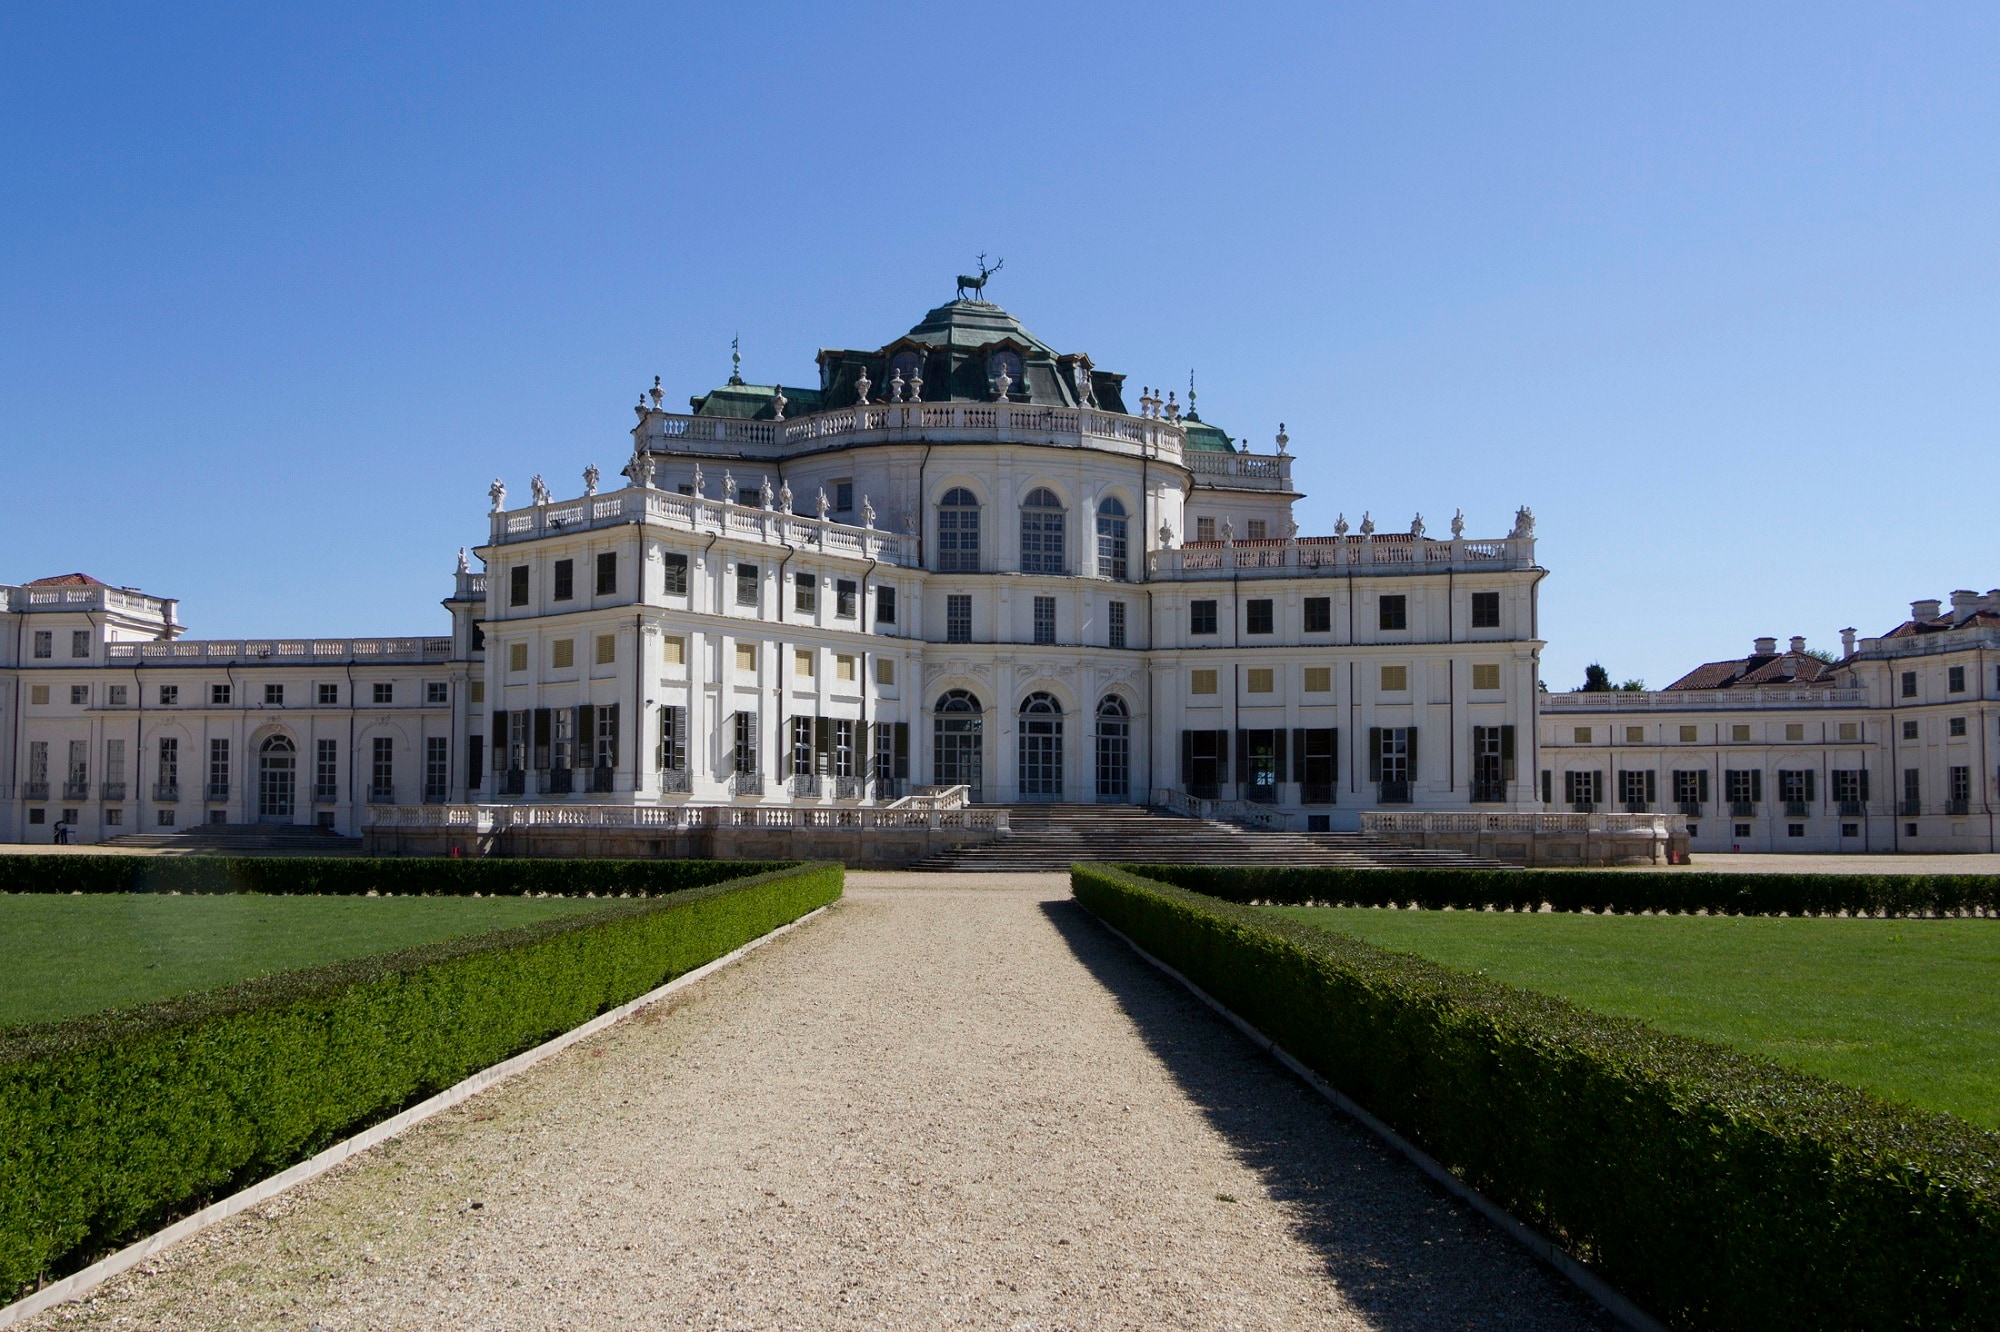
(969, 325)
(754, 402)
(1205, 438)
(1782, 668)
(68, 580)
(1912, 628)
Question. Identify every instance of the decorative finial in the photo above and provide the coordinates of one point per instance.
(700, 485)
(657, 393)
(464, 564)
(1190, 411)
(1283, 438)
(497, 492)
(862, 386)
(736, 359)
(1340, 526)
(822, 503)
(917, 382)
(785, 498)
(1166, 536)
(1417, 526)
(778, 401)
(1367, 524)
(1173, 408)
(1002, 382)
(1458, 525)
(867, 513)
(764, 493)
(896, 385)
(910, 522)
(590, 476)
(538, 488)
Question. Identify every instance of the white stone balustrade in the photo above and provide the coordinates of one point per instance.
(689, 513)
(1446, 821)
(1704, 700)
(910, 422)
(498, 818)
(359, 651)
(1297, 556)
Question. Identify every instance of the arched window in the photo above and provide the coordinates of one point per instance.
(1114, 749)
(958, 532)
(277, 780)
(910, 366)
(1041, 756)
(1042, 532)
(1111, 545)
(957, 753)
(1011, 363)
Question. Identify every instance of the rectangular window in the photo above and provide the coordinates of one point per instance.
(607, 649)
(1261, 680)
(565, 581)
(1580, 735)
(885, 605)
(274, 695)
(382, 771)
(606, 754)
(1204, 529)
(478, 692)
(607, 573)
(1201, 617)
(385, 693)
(1850, 730)
(326, 771)
(79, 696)
(743, 756)
(562, 654)
(38, 769)
(218, 695)
(1201, 682)
(1739, 734)
(1743, 789)
(805, 593)
(674, 571)
(843, 496)
(958, 618)
(844, 666)
(673, 739)
(169, 769)
(517, 585)
(1393, 612)
(746, 584)
(437, 768)
(1961, 790)
(437, 691)
(1045, 619)
(1486, 675)
(1635, 735)
(802, 749)
(517, 656)
(1392, 762)
(1795, 731)
(746, 658)
(1492, 762)
(1956, 726)
(38, 694)
(1909, 684)
(1395, 679)
(1319, 615)
(749, 497)
(1690, 790)
(1257, 616)
(1583, 791)
(1636, 789)
(45, 643)
(519, 736)
(1114, 624)
(1913, 791)
(77, 778)
(79, 646)
(1688, 734)
(1955, 679)
(1485, 610)
(885, 670)
(116, 695)
(329, 695)
(170, 695)
(675, 650)
(1795, 788)
(1909, 730)
(1260, 529)
(844, 598)
(218, 770)
(803, 660)
(1319, 679)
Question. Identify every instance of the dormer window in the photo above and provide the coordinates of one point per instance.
(907, 366)
(1008, 363)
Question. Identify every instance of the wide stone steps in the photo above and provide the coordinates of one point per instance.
(1052, 837)
(240, 839)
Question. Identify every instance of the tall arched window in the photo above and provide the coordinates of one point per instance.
(1041, 744)
(277, 780)
(1042, 532)
(1114, 749)
(957, 753)
(958, 532)
(1111, 544)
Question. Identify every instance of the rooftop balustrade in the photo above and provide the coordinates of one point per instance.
(1704, 700)
(699, 515)
(87, 598)
(282, 651)
(1340, 555)
(913, 422)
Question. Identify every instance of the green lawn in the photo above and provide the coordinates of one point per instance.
(1908, 1009)
(64, 955)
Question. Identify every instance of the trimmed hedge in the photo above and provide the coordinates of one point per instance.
(1678, 892)
(1715, 1189)
(338, 875)
(113, 1123)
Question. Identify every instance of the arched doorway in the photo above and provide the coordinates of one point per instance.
(277, 780)
(957, 753)
(1114, 750)
(1041, 766)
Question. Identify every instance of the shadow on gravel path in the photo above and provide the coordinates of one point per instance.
(1407, 1255)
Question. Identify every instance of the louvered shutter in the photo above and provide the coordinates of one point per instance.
(1298, 753)
(1507, 753)
(1187, 760)
(1374, 753)
(1411, 733)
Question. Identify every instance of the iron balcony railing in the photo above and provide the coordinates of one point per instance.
(381, 793)
(113, 791)
(746, 783)
(1325, 793)
(1797, 809)
(603, 781)
(1205, 790)
(514, 782)
(1583, 806)
(1743, 809)
(1852, 809)
(1638, 806)
(436, 795)
(674, 779)
(34, 790)
(1909, 809)
(1958, 806)
(76, 790)
(554, 781)
(1393, 793)
(1690, 808)
(326, 793)
(1262, 793)
(847, 788)
(802, 784)
(167, 793)
(218, 792)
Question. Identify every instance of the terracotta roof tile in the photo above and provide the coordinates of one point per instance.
(68, 580)
(1783, 668)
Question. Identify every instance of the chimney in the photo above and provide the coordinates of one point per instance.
(1765, 647)
(1798, 644)
(1847, 642)
(1963, 603)
(1924, 610)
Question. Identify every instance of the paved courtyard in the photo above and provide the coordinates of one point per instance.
(951, 1101)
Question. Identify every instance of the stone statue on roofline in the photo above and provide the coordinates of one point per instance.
(1524, 523)
(822, 503)
(464, 564)
(590, 479)
(1340, 525)
(700, 483)
(785, 498)
(1458, 525)
(778, 403)
(539, 489)
(728, 487)
(867, 513)
(1166, 536)
(764, 493)
(640, 469)
(1417, 527)
(497, 492)
(1367, 524)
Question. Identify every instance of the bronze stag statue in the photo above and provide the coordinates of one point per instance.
(977, 285)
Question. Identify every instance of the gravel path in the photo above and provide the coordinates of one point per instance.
(952, 1101)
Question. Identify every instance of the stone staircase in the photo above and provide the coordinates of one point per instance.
(1052, 837)
(240, 839)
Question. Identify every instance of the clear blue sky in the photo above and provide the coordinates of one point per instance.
(1712, 287)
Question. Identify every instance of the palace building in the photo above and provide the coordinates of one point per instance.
(961, 567)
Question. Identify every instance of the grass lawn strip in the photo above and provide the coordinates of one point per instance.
(61, 956)
(1906, 1009)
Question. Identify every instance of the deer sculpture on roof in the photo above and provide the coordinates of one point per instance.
(977, 285)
